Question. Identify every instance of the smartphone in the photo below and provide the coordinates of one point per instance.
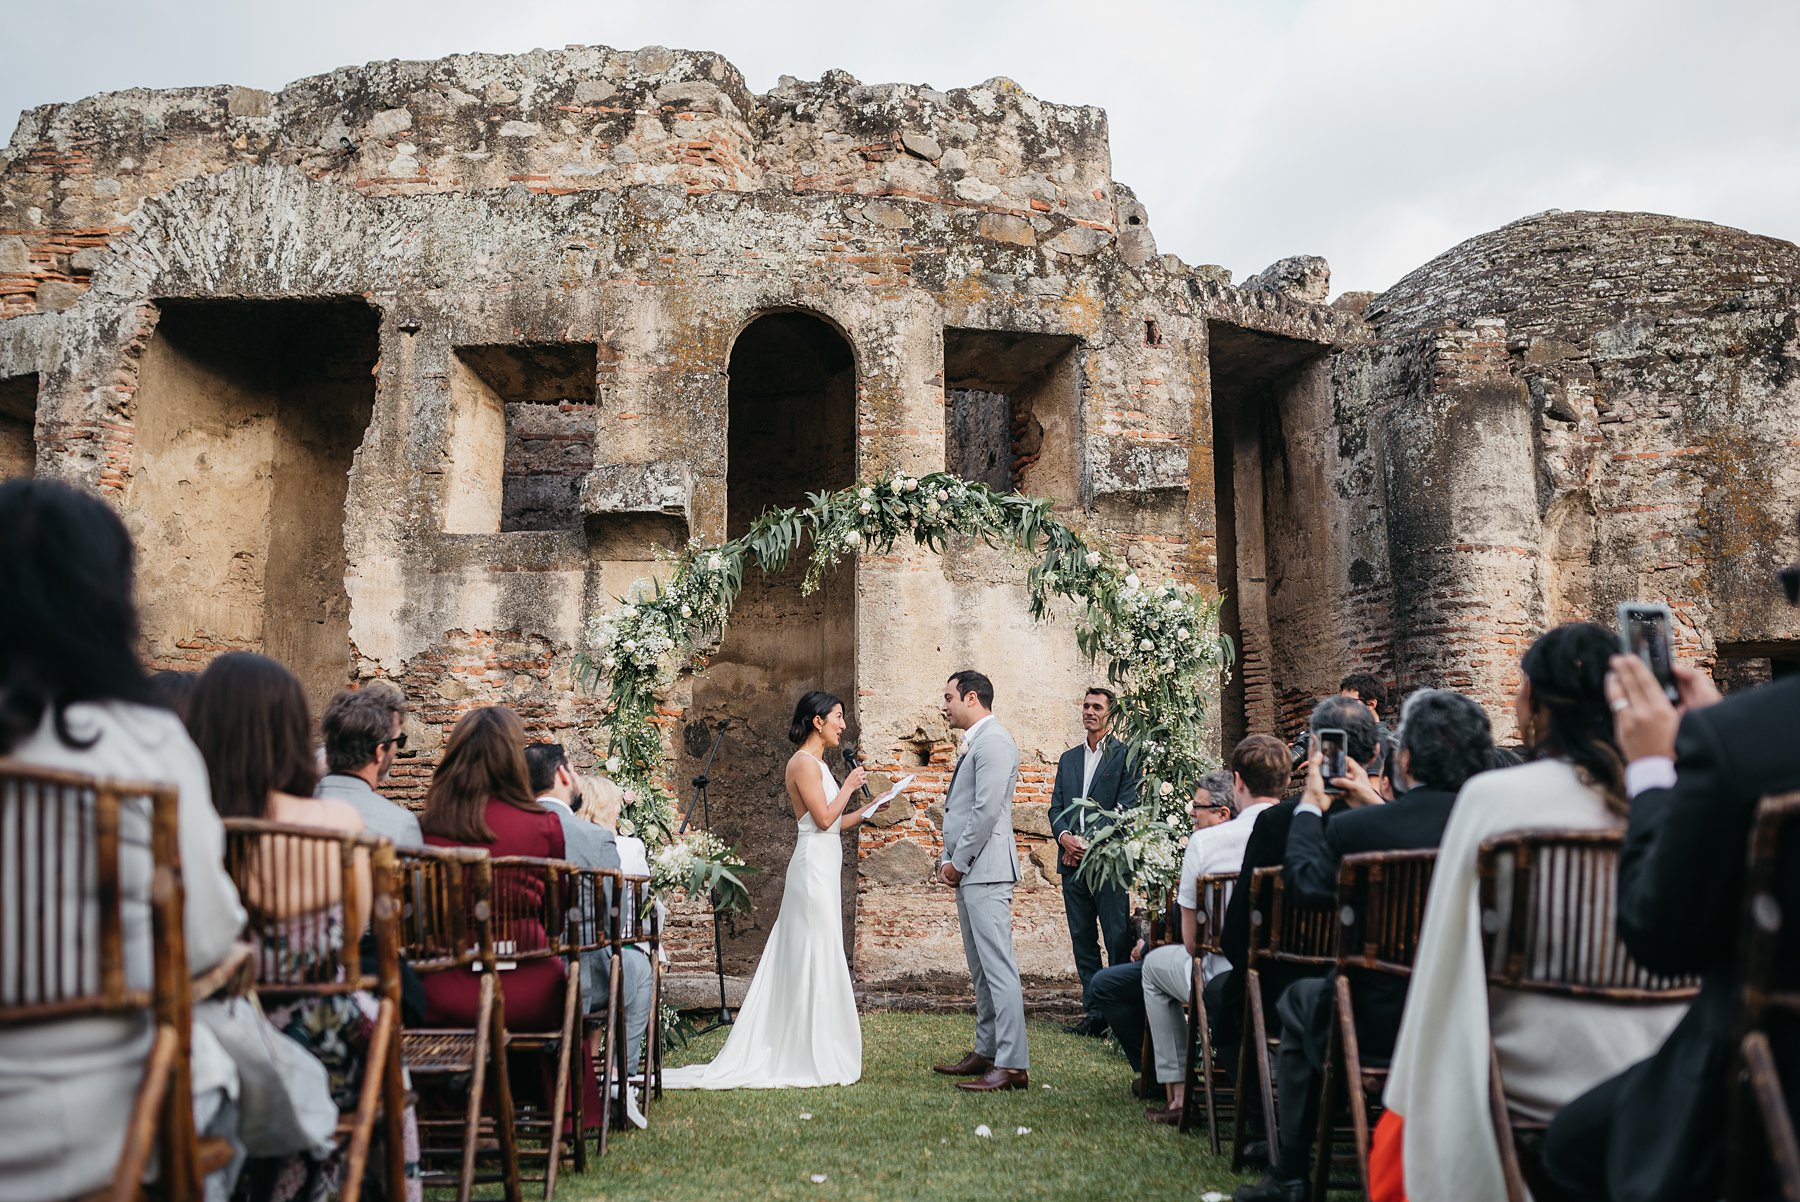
(1333, 762)
(1644, 631)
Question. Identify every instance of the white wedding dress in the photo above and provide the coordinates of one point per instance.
(798, 1025)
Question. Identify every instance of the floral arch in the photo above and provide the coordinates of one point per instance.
(1161, 643)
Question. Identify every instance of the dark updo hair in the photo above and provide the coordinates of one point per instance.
(1567, 670)
(816, 704)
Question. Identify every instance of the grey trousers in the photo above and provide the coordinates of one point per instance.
(1168, 984)
(597, 967)
(985, 914)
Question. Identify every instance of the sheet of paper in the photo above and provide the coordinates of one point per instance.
(899, 787)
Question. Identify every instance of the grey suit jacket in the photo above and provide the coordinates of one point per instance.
(978, 838)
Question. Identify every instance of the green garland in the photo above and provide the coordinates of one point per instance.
(1162, 645)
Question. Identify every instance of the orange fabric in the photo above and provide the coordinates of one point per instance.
(1387, 1172)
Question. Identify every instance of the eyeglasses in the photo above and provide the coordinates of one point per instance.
(399, 741)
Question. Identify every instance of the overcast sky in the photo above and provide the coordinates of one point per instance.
(1376, 133)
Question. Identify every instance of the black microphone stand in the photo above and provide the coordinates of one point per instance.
(700, 783)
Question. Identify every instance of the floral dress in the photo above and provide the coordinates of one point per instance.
(336, 1028)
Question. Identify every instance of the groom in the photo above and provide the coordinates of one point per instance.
(980, 863)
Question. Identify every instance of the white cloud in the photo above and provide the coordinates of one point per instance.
(1375, 133)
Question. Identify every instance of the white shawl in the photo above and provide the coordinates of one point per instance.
(1551, 1050)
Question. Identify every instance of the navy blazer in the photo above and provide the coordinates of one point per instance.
(1114, 788)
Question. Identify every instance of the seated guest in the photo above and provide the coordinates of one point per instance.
(74, 697)
(1259, 767)
(1444, 740)
(481, 797)
(173, 690)
(1267, 848)
(1436, 1139)
(585, 844)
(1695, 776)
(361, 729)
(603, 800)
(248, 718)
(1118, 989)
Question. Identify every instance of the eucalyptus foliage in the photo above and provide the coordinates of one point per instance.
(1161, 644)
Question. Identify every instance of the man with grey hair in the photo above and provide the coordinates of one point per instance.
(1444, 739)
(361, 728)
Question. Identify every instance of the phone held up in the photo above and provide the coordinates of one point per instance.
(1644, 631)
(1333, 762)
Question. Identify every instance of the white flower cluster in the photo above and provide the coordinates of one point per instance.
(675, 864)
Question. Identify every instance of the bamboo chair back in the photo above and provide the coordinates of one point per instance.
(1381, 908)
(283, 872)
(593, 916)
(1549, 914)
(1762, 1152)
(70, 869)
(529, 908)
(1214, 894)
(1284, 932)
(446, 908)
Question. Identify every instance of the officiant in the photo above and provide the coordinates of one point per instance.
(1096, 769)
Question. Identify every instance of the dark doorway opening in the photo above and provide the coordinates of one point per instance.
(18, 426)
(249, 416)
(1271, 509)
(792, 413)
(1748, 665)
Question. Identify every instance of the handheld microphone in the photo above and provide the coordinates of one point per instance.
(849, 753)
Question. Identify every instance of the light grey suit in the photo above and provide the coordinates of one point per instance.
(978, 842)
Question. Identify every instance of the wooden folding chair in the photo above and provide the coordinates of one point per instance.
(1549, 903)
(531, 907)
(281, 871)
(63, 955)
(1760, 1145)
(1287, 942)
(1381, 907)
(447, 924)
(1164, 927)
(1208, 1084)
(594, 915)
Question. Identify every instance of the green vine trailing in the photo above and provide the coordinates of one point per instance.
(1161, 645)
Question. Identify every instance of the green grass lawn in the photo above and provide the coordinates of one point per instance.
(904, 1132)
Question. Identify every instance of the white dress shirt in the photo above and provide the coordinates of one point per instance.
(1211, 851)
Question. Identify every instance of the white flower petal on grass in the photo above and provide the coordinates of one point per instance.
(1024, 1131)
(985, 1131)
(1212, 1195)
(818, 1179)
(805, 1116)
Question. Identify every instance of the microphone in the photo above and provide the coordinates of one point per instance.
(849, 753)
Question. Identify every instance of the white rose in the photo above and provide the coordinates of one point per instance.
(614, 763)
(1131, 580)
(627, 827)
(628, 611)
(609, 662)
(1174, 821)
(1173, 607)
(1183, 634)
(865, 492)
(687, 611)
(714, 563)
(931, 507)
(1182, 842)
(1147, 645)
(1093, 559)
(629, 644)
(909, 485)
(852, 537)
(866, 507)
(943, 494)
(1164, 789)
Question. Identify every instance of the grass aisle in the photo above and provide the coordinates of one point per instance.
(904, 1132)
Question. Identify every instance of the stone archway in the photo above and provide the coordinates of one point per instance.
(792, 431)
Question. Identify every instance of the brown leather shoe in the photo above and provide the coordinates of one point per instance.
(1168, 1116)
(972, 1065)
(997, 1079)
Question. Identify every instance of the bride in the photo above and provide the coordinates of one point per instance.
(798, 1025)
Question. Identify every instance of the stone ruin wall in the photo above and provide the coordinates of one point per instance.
(403, 370)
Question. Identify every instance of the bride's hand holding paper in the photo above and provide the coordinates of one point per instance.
(899, 788)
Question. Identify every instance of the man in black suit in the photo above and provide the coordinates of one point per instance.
(1695, 775)
(1096, 769)
(1445, 738)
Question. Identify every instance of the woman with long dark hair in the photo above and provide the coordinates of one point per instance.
(481, 797)
(1437, 1139)
(798, 1025)
(73, 696)
(248, 715)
